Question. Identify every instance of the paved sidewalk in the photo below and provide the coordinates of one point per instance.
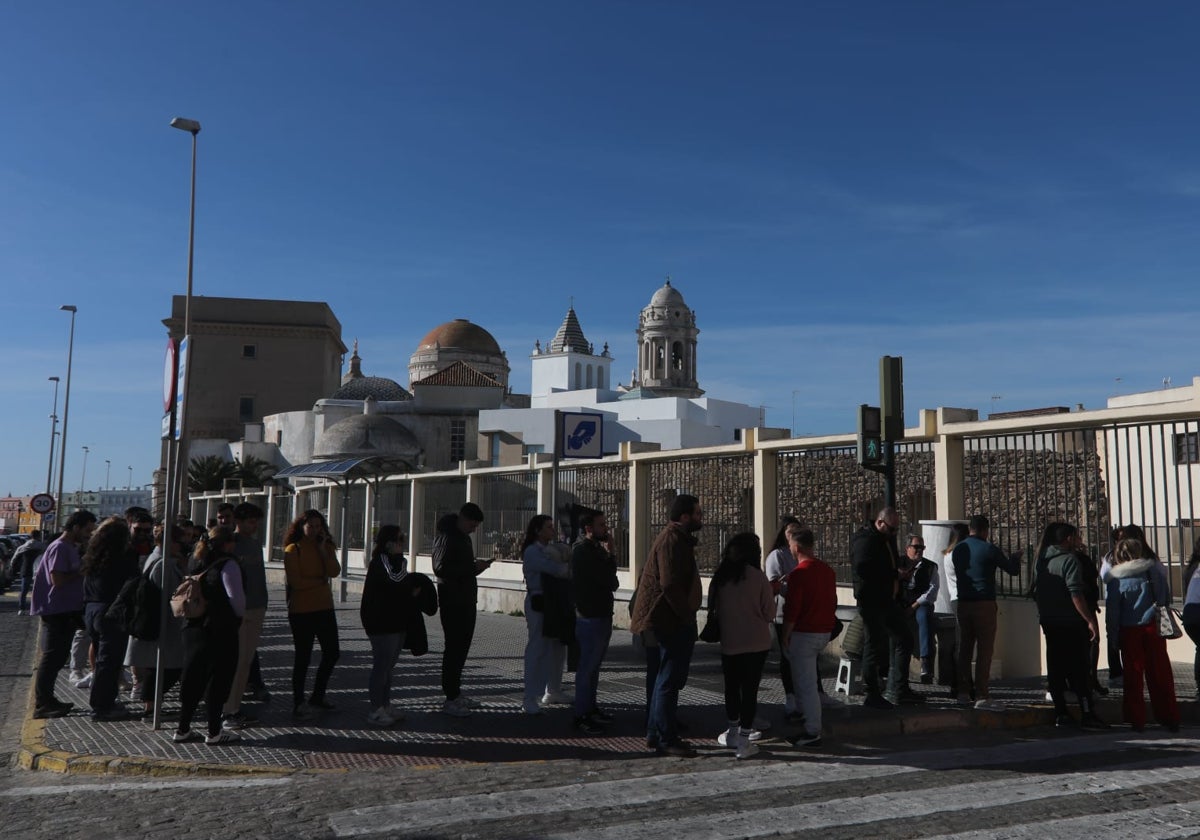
(498, 732)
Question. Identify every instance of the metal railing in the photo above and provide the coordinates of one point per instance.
(725, 486)
(442, 496)
(602, 487)
(509, 501)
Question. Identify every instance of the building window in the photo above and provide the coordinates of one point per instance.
(495, 449)
(249, 351)
(245, 409)
(1187, 448)
(458, 440)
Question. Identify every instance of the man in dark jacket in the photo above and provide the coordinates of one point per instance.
(1069, 624)
(668, 598)
(24, 562)
(876, 588)
(456, 568)
(593, 581)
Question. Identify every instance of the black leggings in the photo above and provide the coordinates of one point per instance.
(212, 657)
(306, 627)
(743, 671)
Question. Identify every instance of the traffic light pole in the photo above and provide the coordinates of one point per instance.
(888, 468)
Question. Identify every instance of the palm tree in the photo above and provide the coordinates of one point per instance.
(254, 471)
(209, 472)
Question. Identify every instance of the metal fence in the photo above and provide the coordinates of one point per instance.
(442, 496)
(1023, 482)
(600, 487)
(830, 493)
(509, 501)
(725, 486)
(393, 504)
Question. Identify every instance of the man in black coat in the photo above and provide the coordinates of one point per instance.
(876, 588)
(456, 568)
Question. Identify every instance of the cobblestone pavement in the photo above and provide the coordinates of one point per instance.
(501, 774)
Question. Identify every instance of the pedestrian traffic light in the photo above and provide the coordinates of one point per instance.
(870, 437)
(891, 396)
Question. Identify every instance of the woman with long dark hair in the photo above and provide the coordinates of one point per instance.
(107, 564)
(778, 566)
(387, 605)
(543, 655)
(309, 563)
(211, 641)
(745, 606)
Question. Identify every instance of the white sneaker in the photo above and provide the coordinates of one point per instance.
(222, 737)
(455, 708)
(469, 701)
(123, 679)
(85, 681)
(726, 739)
(762, 724)
(380, 717)
(1049, 696)
(555, 698)
(987, 705)
(74, 676)
(745, 749)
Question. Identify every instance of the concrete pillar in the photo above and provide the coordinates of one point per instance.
(639, 511)
(545, 491)
(948, 477)
(766, 491)
(416, 519)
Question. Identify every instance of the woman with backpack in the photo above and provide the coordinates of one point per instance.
(210, 639)
(107, 564)
(309, 562)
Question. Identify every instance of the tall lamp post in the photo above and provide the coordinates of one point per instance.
(129, 485)
(62, 443)
(176, 442)
(53, 434)
(107, 472)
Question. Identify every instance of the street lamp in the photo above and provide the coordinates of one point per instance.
(83, 475)
(129, 486)
(53, 433)
(107, 472)
(794, 393)
(193, 128)
(62, 443)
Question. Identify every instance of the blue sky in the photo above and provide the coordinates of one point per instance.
(1004, 194)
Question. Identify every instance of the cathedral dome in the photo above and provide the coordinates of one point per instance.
(668, 295)
(376, 387)
(460, 334)
(366, 435)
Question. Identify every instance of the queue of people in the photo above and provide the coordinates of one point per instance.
(788, 598)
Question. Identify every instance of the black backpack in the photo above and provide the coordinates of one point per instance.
(137, 608)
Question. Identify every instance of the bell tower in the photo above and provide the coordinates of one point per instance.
(666, 336)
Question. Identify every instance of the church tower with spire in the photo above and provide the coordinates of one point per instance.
(570, 362)
(666, 336)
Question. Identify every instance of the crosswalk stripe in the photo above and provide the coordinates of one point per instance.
(109, 787)
(1163, 822)
(429, 814)
(861, 810)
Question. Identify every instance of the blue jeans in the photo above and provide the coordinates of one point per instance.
(926, 630)
(675, 659)
(385, 650)
(23, 598)
(593, 635)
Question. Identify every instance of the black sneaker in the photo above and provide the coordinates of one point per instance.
(321, 703)
(258, 694)
(1092, 723)
(46, 712)
(794, 718)
(237, 720)
(587, 726)
(677, 749)
(1065, 722)
(878, 701)
(601, 716)
(111, 715)
(805, 740)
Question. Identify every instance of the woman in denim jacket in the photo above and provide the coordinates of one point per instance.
(1137, 586)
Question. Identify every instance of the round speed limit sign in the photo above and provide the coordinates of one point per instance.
(41, 504)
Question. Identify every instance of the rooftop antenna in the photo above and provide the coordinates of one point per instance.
(1166, 382)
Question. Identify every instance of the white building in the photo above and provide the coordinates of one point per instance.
(662, 406)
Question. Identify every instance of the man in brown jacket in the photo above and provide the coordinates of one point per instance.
(668, 597)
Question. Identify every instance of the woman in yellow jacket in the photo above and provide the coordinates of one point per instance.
(310, 561)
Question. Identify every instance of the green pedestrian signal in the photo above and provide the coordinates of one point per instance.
(870, 436)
